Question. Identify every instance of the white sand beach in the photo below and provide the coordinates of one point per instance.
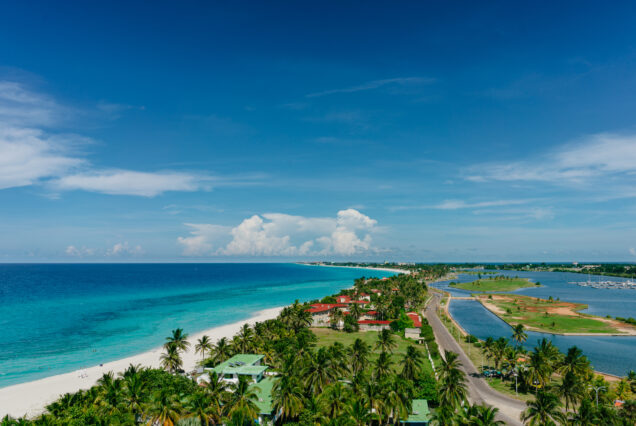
(30, 398)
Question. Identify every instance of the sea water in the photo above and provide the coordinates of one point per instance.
(56, 318)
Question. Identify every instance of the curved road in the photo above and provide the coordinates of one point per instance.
(478, 389)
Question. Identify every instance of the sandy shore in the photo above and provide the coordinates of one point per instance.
(30, 398)
(397, 271)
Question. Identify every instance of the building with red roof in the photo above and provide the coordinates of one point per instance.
(373, 325)
(320, 313)
(417, 322)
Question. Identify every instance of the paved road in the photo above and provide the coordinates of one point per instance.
(478, 390)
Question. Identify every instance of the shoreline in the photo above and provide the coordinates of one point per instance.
(29, 398)
(396, 271)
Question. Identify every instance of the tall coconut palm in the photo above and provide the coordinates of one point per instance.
(358, 413)
(355, 309)
(538, 371)
(287, 397)
(179, 339)
(359, 356)
(336, 316)
(221, 351)
(397, 400)
(319, 372)
(453, 390)
(135, 391)
(486, 415)
(385, 342)
(171, 360)
(382, 366)
(519, 334)
(201, 406)
(545, 409)
(241, 407)
(165, 408)
(571, 390)
(411, 363)
(335, 399)
(204, 344)
(586, 415)
(575, 362)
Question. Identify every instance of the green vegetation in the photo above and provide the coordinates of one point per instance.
(559, 389)
(498, 283)
(550, 316)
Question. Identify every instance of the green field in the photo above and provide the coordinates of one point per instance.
(545, 315)
(494, 284)
(327, 337)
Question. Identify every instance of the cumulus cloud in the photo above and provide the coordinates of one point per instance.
(632, 251)
(598, 156)
(124, 249)
(278, 234)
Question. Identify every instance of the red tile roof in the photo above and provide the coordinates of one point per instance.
(371, 313)
(373, 322)
(417, 322)
(322, 307)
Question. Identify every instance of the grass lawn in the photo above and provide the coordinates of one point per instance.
(327, 337)
(545, 315)
(494, 284)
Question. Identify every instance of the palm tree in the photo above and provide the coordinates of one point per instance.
(204, 344)
(171, 360)
(201, 406)
(544, 410)
(222, 351)
(358, 413)
(623, 390)
(178, 340)
(135, 390)
(411, 363)
(287, 397)
(359, 355)
(398, 400)
(570, 390)
(382, 366)
(486, 416)
(586, 415)
(319, 372)
(335, 399)
(385, 342)
(336, 316)
(575, 362)
(453, 390)
(241, 407)
(519, 334)
(165, 409)
(355, 310)
(538, 372)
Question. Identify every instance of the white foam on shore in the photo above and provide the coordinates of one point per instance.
(30, 398)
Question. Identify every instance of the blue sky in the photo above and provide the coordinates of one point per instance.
(317, 130)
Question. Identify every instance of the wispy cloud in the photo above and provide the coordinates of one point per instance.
(32, 153)
(598, 156)
(462, 204)
(126, 182)
(376, 84)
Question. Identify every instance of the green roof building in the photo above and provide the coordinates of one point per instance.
(240, 365)
(420, 414)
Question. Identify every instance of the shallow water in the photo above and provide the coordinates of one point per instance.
(59, 318)
(609, 354)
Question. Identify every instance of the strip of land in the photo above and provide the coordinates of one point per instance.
(30, 398)
(551, 316)
(495, 284)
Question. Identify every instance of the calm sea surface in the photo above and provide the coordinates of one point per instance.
(59, 318)
(614, 355)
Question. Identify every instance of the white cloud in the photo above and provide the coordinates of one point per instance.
(127, 182)
(28, 155)
(632, 251)
(375, 84)
(277, 234)
(598, 156)
(461, 204)
(79, 252)
(124, 249)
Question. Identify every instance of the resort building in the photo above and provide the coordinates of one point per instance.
(320, 313)
(248, 365)
(420, 414)
(373, 325)
(413, 333)
(417, 322)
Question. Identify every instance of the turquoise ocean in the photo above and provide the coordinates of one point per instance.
(57, 318)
